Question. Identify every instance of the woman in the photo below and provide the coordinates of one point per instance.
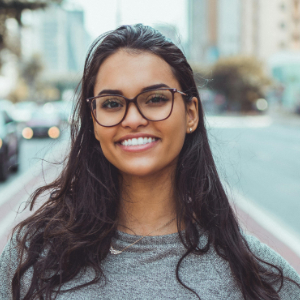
(139, 211)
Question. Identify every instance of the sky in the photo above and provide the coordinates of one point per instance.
(101, 15)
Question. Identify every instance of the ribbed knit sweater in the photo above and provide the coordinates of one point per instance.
(146, 270)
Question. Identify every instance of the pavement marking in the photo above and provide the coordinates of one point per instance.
(20, 181)
(238, 121)
(267, 220)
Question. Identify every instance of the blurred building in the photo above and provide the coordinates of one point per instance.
(269, 27)
(272, 33)
(59, 37)
(266, 29)
(262, 28)
(229, 23)
(202, 26)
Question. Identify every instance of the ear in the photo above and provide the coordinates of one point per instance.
(192, 115)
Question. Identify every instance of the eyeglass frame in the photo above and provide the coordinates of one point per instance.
(134, 100)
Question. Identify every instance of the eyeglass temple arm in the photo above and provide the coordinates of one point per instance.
(181, 93)
(184, 94)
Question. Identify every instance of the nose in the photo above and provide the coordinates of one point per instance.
(133, 118)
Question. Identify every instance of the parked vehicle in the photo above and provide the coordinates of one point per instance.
(42, 124)
(9, 145)
(23, 111)
(63, 108)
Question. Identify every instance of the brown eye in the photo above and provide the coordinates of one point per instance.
(111, 104)
(157, 99)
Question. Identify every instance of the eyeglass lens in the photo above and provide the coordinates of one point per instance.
(154, 105)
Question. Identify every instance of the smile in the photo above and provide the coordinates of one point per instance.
(138, 141)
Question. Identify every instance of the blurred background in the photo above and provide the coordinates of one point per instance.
(246, 59)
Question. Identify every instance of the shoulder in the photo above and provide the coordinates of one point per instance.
(9, 255)
(8, 265)
(9, 262)
(267, 254)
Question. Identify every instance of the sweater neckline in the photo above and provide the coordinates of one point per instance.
(147, 240)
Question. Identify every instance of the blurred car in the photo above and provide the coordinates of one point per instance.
(63, 108)
(23, 111)
(9, 145)
(7, 105)
(42, 124)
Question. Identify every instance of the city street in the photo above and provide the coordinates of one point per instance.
(262, 163)
(39, 164)
(258, 161)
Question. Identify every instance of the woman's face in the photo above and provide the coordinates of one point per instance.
(130, 73)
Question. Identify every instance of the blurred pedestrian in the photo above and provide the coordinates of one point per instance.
(139, 211)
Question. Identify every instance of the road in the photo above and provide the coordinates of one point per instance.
(32, 152)
(262, 163)
(39, 164)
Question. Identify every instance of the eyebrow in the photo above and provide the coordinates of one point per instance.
(119, 92)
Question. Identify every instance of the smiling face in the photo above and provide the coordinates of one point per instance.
(137, 146)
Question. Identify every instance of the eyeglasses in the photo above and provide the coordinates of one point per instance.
(153, 105)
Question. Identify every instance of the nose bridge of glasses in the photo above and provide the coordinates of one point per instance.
(132, 104)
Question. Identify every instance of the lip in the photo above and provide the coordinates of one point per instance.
(136, 136)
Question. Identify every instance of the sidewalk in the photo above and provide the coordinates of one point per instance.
(284, 118)
(254, 228)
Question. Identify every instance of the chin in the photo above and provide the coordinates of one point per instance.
(138, 172)
(144, 170)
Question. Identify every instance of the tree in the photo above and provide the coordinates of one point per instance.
(31, 70)
(241, 80)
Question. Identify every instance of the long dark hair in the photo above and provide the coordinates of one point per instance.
(74, 228)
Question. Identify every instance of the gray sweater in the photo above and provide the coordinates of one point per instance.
(147, 271)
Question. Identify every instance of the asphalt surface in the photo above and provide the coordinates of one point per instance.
(263, 164)
(33, 152)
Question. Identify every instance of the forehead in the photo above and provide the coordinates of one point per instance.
(131, 72)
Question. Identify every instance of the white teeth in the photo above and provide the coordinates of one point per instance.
(138, 141)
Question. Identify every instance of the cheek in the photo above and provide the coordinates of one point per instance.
(104, 136)
(176, 132)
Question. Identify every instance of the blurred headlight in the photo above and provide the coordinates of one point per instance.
(1, 143)
(27, 133)
(54, 132)
(261, 104)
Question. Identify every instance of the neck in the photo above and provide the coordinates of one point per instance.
(147, 204)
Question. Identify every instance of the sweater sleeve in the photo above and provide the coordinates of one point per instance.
(289, 291)
(8, 266)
